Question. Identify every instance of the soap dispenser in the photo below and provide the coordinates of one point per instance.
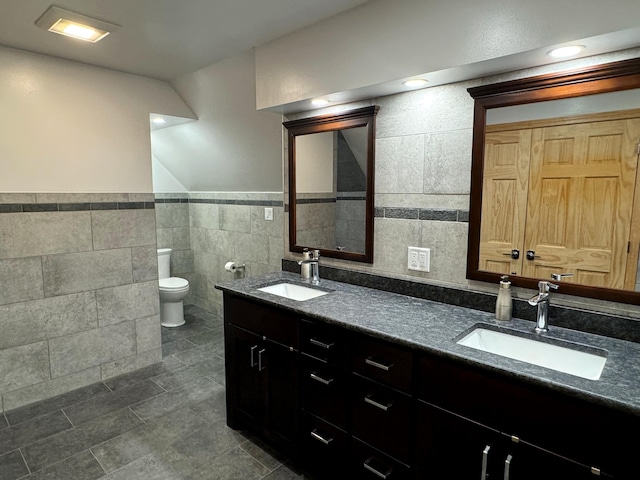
(305, 268)
(504, 302)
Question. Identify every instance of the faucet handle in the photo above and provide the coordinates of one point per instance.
(544, 286)
(559, 276)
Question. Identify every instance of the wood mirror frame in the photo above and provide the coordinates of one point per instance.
(622, 75)
(362, 117)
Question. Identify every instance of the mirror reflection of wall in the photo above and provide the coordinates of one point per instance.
(331, 184)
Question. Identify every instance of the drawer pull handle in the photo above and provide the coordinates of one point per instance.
(375, 471)
(507, 465)
(253, 352)
(371, 401)
(320, 438)
(377, 364)
(485, 460)
(318, 378)
(318, 343)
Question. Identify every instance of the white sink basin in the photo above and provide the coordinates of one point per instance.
(560, 358)
(293, 291)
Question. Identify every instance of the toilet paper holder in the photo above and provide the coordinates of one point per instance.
(233, 267)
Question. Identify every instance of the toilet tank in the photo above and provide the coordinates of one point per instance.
(164, 262)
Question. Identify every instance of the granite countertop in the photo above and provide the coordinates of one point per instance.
(434, 327)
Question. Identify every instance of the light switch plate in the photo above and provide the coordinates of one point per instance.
(268, 213)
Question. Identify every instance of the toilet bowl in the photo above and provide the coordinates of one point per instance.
(172, 292)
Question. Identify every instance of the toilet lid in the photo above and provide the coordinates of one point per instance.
(173, 283)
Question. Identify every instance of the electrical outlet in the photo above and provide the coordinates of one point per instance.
(419, 259)
(412, 263)
(268, 213)
(424, 259)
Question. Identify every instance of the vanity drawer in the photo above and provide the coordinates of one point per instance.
(368, 463)
(382, 417)
(324, 448)
(382, 361)
(324, 391)
(324, 342)
(273, 323)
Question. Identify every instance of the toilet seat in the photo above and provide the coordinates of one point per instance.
(173, 283)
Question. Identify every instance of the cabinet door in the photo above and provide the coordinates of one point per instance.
(281, 395)
(505, 185)
(245, 362)
(451, 446)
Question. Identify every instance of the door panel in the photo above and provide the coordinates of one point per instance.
(506, 178)
(581, 190)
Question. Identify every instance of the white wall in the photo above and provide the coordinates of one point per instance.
(70, 127)
(382, 41)
(314, 163)
(231, 147)
(163, 180)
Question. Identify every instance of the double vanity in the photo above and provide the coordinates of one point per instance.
(353, 382)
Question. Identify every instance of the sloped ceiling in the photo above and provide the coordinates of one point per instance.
(164, 39)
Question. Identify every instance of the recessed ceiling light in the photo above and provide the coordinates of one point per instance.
(75, 25)
(159, 120)
(567, 51)
(320, 102)
(415, 82)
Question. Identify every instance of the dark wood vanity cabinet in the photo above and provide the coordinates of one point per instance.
(456, 447)
(347, 405)
(546, 434)
(262, 372)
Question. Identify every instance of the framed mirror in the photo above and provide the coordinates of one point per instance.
(331, 167)
(555, 181)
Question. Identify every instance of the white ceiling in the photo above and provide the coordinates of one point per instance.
(164, 39)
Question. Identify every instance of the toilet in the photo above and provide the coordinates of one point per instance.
(172, 291)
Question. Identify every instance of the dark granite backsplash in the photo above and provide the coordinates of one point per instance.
(623, 328)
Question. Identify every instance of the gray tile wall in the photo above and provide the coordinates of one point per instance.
(422, 165)
(78, 291)
(222, 227)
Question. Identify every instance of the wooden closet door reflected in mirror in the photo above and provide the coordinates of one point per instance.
(563, 188)
(554, 181)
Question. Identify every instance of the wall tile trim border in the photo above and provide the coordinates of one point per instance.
(223, 201)
(72, 207)
(422, 214)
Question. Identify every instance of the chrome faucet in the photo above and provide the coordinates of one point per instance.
(542, 299)
(314, 262)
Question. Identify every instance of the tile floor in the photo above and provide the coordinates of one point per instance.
(164, 422)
